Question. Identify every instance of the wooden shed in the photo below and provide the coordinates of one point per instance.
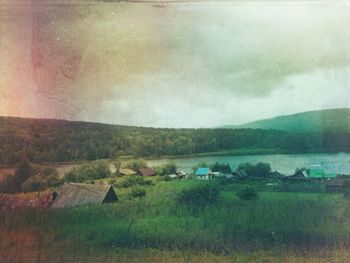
(74, 194)
(147, 171)
(126, 171)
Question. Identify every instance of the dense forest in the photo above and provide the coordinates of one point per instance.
(43, 140)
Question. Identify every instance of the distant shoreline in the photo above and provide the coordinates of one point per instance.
(241, 152)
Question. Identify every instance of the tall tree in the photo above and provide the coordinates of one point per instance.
(23, 172)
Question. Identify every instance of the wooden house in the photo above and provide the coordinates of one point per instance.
(204, 173)
(74, 194)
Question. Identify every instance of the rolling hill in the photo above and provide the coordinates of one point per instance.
(332, 120)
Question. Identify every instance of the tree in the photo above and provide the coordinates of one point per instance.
(248, 168)
(262, 170)
(258, 170)
(23, 172)
(166, 169)
(222, 168)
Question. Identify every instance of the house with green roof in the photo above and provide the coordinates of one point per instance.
(204, 173)
(324, 170)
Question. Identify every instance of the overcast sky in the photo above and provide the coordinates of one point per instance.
(173, 65)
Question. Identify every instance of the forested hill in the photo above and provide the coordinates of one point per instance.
(332, 120)
(59, 140)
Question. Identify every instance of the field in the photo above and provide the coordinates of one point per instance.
(278, 226)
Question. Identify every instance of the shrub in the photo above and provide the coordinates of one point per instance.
(136, 164)
(112, 181)
(200, 195)
(53, 181)
(262, 170)
(247, 167)
(91, 171)
(71, 176)
(248, 193)
(258, 170)
(138, 192)
(34, 183)
(222, 168)
(167, 178)
(166, 169)
(134, 180)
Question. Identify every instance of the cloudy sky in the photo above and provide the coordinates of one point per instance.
(194, 64)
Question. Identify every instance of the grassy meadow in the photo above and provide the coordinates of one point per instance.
(278, 226)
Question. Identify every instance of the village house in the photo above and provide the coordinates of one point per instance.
(126, 171)
(204, 173)
(75, 194)
(146, 171)
(334, 185)
(181, 174)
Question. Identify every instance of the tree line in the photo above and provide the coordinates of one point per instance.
(59, 141)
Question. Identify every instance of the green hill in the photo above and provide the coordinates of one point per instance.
(333, 120)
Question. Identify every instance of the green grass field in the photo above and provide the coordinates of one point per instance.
(159, 228)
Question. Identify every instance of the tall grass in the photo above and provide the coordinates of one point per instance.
(276, 220)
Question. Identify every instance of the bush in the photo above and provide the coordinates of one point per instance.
(167, 178)
(258, 170)
(248, 193)
(200, 195)
(34, 183)
(91, 171)
(138, 193)
(136, 164)
(222, 168)
(53, 181)
(166, 169)
(112, 181)
(262, 170)
(134, 180)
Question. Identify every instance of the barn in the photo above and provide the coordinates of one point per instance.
(75, 194)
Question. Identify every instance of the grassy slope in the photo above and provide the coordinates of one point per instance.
(312, 121)
(310, 221)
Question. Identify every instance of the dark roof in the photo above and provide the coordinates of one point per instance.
(239, 173)
(300, 173)
(126, 171)
(147, 171)
(334, 182)
(276, 174)
(73, 194)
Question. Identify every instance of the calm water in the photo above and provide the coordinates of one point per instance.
(285, 164)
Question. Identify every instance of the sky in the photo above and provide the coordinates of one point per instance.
(194, 64)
